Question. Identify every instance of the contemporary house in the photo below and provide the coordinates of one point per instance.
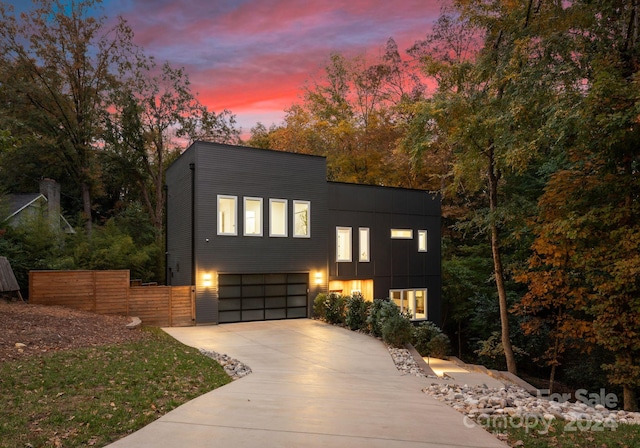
(260, 233)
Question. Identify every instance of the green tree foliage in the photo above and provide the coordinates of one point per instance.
(585, 254)
(152, 108)
(81, 104)
(58, 64)
(125, 241)
(33, 245)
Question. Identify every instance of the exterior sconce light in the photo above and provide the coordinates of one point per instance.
(206, 280)
(318, 278)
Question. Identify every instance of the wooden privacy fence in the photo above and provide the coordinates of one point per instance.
(109, 292)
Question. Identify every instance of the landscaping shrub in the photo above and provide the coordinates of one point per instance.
(439, 346)
(380, 311)
(357, 310)
(334, 308)
(396, 330)
(319, 306)
(428, 339)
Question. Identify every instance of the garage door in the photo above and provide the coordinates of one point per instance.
(248, 297)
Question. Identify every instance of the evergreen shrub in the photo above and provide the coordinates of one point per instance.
(396, 330)
(357, 311)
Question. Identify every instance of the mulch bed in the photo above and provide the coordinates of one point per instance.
(35, 330)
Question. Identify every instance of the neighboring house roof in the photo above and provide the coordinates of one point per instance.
(19, 202)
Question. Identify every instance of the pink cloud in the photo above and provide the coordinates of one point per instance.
(255, 55)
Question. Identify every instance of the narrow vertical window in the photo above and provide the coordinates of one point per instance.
(227, 215)
(364, 244)
(421, 304)
(301, 219)
(422, 240)
(278, 217)
(343, 244)
(253, 216)
(396, 297)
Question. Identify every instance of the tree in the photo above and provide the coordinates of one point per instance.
(556, 296)
(494, 109)
(152, 114)
(354, 115)
(59, 64)
(587, 233)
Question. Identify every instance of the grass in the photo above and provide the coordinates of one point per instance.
(94, 396)
(561, 434)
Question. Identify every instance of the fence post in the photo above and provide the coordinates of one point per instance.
(126, 299)
(170, 306)
(193, 304)
(95, 305)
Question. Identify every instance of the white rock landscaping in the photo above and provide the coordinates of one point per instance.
(234, 368)
(405, 363)
(482, 403)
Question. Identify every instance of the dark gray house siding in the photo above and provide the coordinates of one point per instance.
(394, 263)
(253, 277)
(179, 179)
(243, 172)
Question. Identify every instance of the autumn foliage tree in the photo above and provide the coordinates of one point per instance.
(355, 115)
(587, 233)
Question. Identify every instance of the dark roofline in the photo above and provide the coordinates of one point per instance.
(419, 190)
(254, 149)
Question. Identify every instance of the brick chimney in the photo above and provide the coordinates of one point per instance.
(51, 190)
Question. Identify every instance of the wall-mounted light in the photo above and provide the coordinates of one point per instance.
(207, 280)
(318, 278)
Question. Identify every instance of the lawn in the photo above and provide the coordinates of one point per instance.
(561, 434)
(94, 396)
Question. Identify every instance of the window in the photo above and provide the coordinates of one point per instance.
(301, 221)
(364, 244)
(404, 234)
(227, 215)
(253, 216)
(422, 240)
(412, 301)
(343, 244)
(278, 217)
(421, 304)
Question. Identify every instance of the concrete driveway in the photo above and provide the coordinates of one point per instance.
(313, 385)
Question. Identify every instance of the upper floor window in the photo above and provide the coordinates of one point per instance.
(406, 234)
(364, 244)
(227, 215)
(422, 240)
(343, 244)
(278, 217)
(301, 219)
(253, 216)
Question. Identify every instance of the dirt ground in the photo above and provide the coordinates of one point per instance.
(32, 330)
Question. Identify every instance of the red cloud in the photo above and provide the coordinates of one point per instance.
(255, 55)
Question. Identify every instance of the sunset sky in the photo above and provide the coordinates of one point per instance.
(253, 56)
